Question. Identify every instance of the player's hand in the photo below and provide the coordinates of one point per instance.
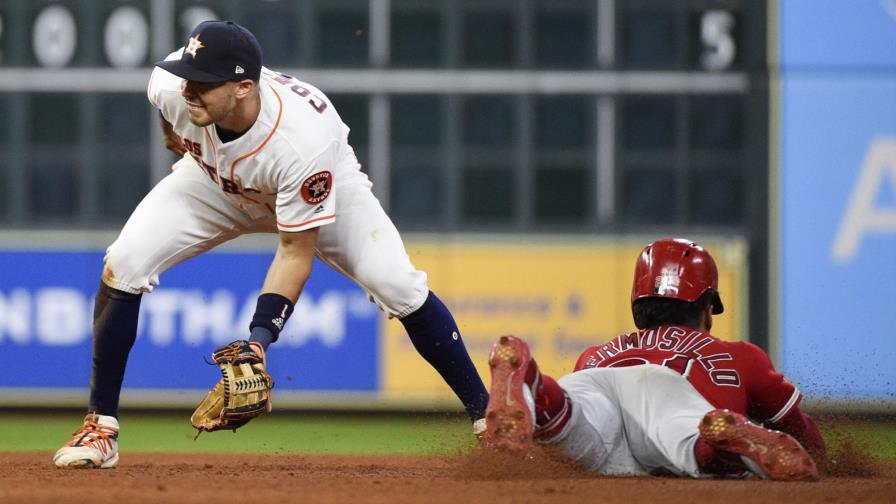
(242, 394)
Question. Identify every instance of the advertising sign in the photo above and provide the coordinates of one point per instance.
(838, 198)
(46, 298)
(337, 346)
(561, 298)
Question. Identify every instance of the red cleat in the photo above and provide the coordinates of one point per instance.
(511, 408)
(769, 454)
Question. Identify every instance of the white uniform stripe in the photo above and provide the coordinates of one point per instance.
(787, 407)
(554, 422)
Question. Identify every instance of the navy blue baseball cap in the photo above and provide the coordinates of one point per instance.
(218, 51)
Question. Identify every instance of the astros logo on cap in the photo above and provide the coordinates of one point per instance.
(193, 46)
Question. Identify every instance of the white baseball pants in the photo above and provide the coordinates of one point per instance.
(632, 421)
(187, 214)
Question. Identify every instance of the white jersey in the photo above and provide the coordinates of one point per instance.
(286, 165)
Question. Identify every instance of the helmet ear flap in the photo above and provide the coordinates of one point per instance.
(717, 306)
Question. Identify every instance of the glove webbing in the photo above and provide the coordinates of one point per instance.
(250, 384)
(247, 383)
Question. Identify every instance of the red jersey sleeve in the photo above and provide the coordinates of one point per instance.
(803, 428)
(771, 397)
(587, 359)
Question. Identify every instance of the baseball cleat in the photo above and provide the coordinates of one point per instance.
(769, 454)
(93, 446)
(479, 429)
(510, 415)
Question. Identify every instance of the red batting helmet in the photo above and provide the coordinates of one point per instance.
(675, 268)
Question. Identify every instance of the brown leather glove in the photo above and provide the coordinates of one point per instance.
(243, 393)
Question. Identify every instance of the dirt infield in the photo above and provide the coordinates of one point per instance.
(476, 477)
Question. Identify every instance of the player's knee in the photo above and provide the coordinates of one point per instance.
(399, 294)
(108, 276)
(115, 268)
(122, 271)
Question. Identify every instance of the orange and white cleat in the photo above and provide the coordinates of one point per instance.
(769, 454)
(93, 446)
(510, 415)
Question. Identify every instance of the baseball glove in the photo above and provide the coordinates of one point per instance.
(243, 393)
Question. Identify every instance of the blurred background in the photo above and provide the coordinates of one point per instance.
(526, 149)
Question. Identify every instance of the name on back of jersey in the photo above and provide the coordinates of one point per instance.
(674, 347)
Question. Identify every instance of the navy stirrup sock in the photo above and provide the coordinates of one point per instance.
(436, 337)
(114, 331)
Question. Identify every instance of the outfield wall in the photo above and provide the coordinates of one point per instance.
(837, 198)
(338, 350)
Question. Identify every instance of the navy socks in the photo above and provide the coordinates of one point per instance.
(431, 328)
(436, 337)
(114, 331)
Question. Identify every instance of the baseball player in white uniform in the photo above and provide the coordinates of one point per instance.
(262, 152)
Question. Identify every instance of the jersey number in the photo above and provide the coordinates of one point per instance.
(316, 103)
(722, 377)
(681, 364)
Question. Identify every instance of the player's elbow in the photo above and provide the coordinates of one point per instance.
(300, 244)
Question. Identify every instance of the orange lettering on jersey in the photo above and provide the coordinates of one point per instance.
(193, 147)
(229, 186)
(210, 170)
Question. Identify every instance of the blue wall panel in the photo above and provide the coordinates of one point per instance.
(330, 343)
(838, 197)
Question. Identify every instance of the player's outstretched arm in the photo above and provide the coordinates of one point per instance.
(284, 282)
(803, 429)
(292, 264)
(776, 400)
(244, 392)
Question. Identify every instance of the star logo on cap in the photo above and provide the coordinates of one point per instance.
(193, 46)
